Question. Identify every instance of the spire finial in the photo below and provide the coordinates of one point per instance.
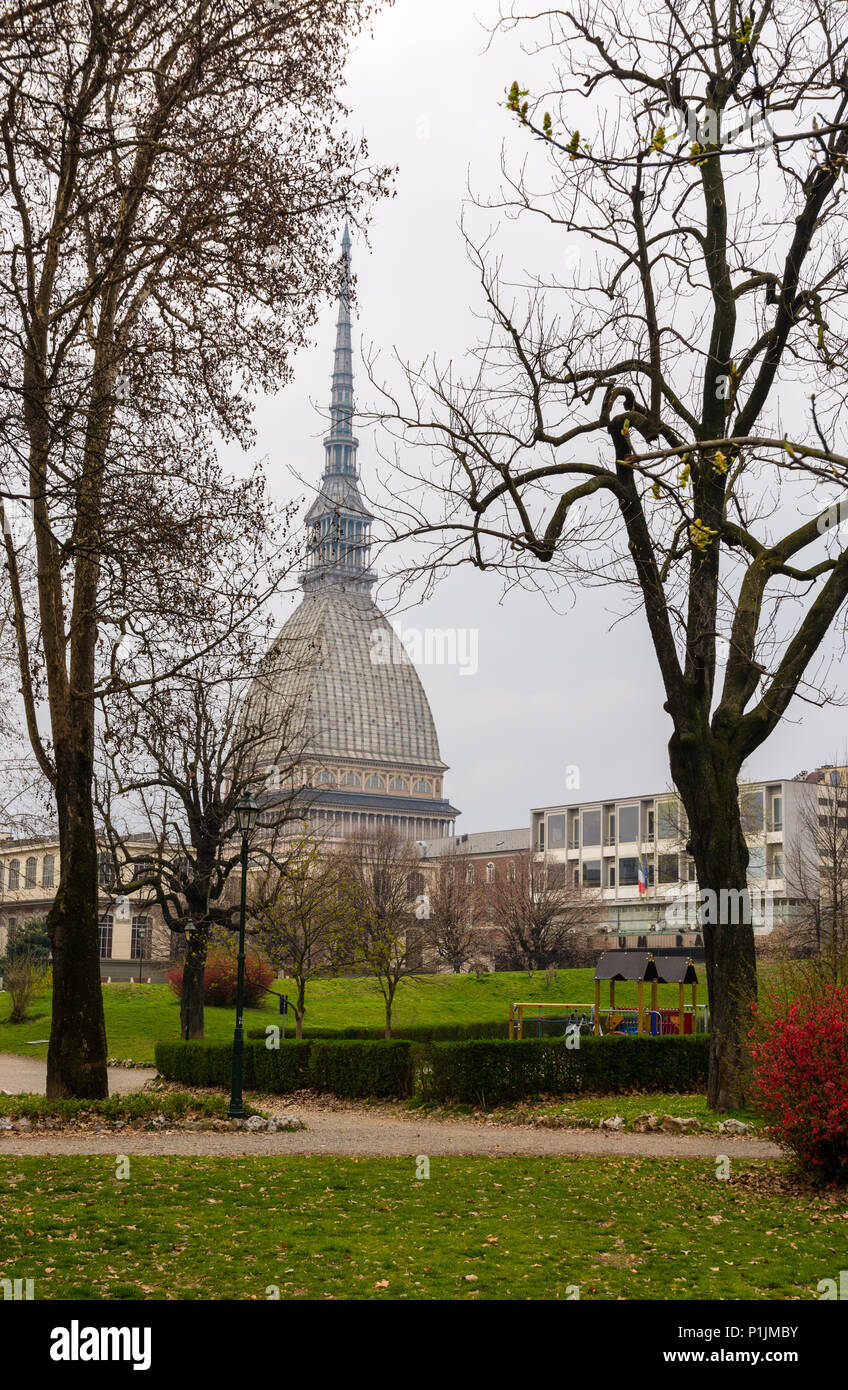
(339, 522)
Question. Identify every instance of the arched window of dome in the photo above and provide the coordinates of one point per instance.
(30, 872)
(325, 778)
(398, 784)
(351, 779)
(375, 783)
(422, 786)
(490, 873)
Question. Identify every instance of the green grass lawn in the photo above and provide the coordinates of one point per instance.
(137, 1016)
(508, 1228)
(587, 1110)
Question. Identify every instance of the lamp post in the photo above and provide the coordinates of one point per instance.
(247, 814)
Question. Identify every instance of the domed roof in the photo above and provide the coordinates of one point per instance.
(339, 671)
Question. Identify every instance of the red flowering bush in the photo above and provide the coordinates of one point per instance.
(800, 1070)
(220, 978)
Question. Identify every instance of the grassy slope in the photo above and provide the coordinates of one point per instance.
(492, 1228)
(137, 1016)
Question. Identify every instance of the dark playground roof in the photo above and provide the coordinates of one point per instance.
(644, 965)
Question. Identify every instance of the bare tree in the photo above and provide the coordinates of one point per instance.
(623, 422)
(538, 915)
(295, 913)
(450, 929)
(171, 179)
(379, 931)
(816, 873)
(181, 757)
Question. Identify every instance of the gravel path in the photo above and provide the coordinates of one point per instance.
(369, 1133)
(29, 1074)
(343, 1128)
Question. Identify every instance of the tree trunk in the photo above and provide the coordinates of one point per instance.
(300, 1009)
(389, 1016)
(707, 781)
(77, 1052)
(191, 995)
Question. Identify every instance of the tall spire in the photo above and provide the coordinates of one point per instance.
(338, 523)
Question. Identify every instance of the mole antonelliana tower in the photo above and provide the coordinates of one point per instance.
(369, 749)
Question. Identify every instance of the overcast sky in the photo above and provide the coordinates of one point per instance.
(552, 689)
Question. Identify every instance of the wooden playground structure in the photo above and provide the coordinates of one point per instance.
(639, 967)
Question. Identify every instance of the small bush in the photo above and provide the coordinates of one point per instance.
(138, 1106)
(799, 1049)
(220, 978)
(23, 977)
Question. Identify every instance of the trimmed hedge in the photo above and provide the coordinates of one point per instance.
(421, 1032)
(489, 1073)
(344, 1068)
(479, 1072)
(384, 1068)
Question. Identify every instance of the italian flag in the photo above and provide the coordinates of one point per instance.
(643, 875)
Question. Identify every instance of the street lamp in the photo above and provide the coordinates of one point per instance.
(247, 814)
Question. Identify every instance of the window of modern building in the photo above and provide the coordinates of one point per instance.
(398, 784)
(591, 828)
(751, 806)
(628, 825)
(610, 835)
(105, 869)
(649, 834)
(756, 862)
(30, 872)
(592, 873)
(375, 783)
(490, 873)
(556, 832)
(351, 779)
(776, 864)
(667, 818)
(422, 787)
(611, 875)
(106, 938)
(690, 871)
(667, 868)
(142, 938)
(47, 870)
(541, 834)
(555, 875)
(628, 871)
(14, 874)
(777, 813)
(575, 877)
